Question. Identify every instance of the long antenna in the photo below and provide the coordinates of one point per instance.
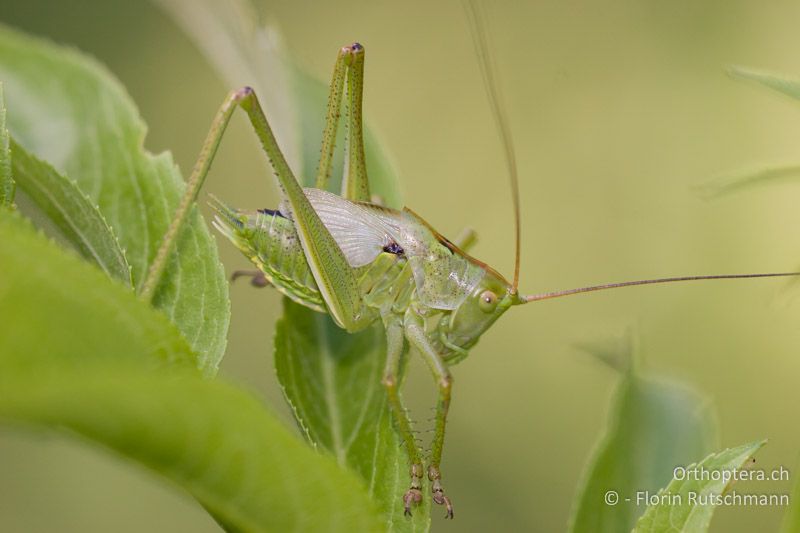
(570, 292)
(483, 51)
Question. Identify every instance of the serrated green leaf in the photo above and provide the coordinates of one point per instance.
(72, 211)
(71, 112)
(78, 352)
(58, 309)
(654, 426)
(778, 82)
(676, 511)
(332, 380)
(6, 179)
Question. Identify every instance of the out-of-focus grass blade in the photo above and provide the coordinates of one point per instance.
(654, 425)
(72, 211)
(767, 175)
(244, 52)
(743, 181)
(676, 511)
(778, 82)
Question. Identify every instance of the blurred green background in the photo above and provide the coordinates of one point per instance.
(618, 110)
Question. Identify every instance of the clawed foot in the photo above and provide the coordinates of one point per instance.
(439, 497)
(257, 278)
(413, 495)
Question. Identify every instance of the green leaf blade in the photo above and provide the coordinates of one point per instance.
(791, 518)
(681, 515)
(56, 308)
(777, 82)
(6, 178)
(71, 112)
(655, 426)
(215, 441)
(114, 371)
(332, 380)
(73, 213)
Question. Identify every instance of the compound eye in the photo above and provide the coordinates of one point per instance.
(488, 301)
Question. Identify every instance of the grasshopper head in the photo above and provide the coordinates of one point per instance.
(492, 297)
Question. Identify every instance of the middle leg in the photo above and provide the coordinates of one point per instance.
(391, 381)
(415, 333)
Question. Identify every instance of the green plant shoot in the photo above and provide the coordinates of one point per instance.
(349, 256)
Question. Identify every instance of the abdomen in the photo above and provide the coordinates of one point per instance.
(269, 240)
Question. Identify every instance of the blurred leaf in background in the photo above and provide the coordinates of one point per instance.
(653, 426)
(745, 180)
(791, 518)
(244, 50)
(6, 180)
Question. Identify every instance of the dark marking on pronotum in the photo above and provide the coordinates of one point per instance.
(393, 248)
(272, 212)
